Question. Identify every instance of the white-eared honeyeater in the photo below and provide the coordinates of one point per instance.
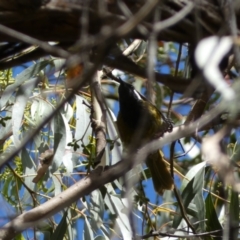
(139, 120)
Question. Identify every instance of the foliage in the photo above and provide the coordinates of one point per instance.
(54, 119)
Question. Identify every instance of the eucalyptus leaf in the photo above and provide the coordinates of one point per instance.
(212, 222)
(22, 97)
(25, 75)
(234, 215)
(82, 120)
(61, 229)
(57, 185)
(68, 153)
(113, 135)
(59, 141)
(56, 65)
(193, 188)
(68, 111)
(122, 219)
(96, 208)
(28, 170)
(87, 231)
(40, 110)
(100, 238)
(4, 130)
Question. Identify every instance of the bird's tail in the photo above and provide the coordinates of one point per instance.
(161, 176)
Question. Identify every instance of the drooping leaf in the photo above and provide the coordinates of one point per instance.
(40, 109)
(57, 185)
(191, 174)
(23, 94)
(212, 222)
(234, 215)
(28, 170)
(100, 238)
(96, 209)
(87, 231)
(68, 111)
(31, 71)
(59, 141)
(61, 229)
(82, 120)
(25, 75)
(118, 208)
(193, 188)
(116, 152)
(5, 130)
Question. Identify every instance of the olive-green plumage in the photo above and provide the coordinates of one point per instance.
(140, 119)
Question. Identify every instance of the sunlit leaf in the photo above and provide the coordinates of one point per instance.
(234, 215)
(20, 78)
(23, 94)
(122, 219)
(113, 135)
(40, 109)
(82, 120)
(96, 208)
(191, 174)
(193, 188)
(28, 170)
(87, 231)
(59, 141)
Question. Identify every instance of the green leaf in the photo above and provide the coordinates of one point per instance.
(113, 135)
(59, 141)
(193, 188)
(192, 173)
(116, 205)
(62, 135)
(23, 94)
(87, 231)
(234, 215)
(29, 170)
(19, 237)
(96, 209)
(82, 121)
(31, 71)
(40, 109)
(100, 238)
(21, 78)
(60, 231)
(212, 222)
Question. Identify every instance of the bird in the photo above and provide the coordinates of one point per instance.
(138, 117)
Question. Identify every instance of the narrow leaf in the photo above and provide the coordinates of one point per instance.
(212, 222)
(234, 215)
(82, 120)
(87, 232)
(23, 94)
(29, 170)
(60, 231)
(193, 187)
(59, 141)
(22, 77)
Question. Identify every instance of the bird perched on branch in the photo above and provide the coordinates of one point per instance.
(139, 119)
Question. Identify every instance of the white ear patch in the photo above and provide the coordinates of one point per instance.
(137, 94)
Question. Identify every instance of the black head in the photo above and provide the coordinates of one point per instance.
(127, 93)
(130, 104)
